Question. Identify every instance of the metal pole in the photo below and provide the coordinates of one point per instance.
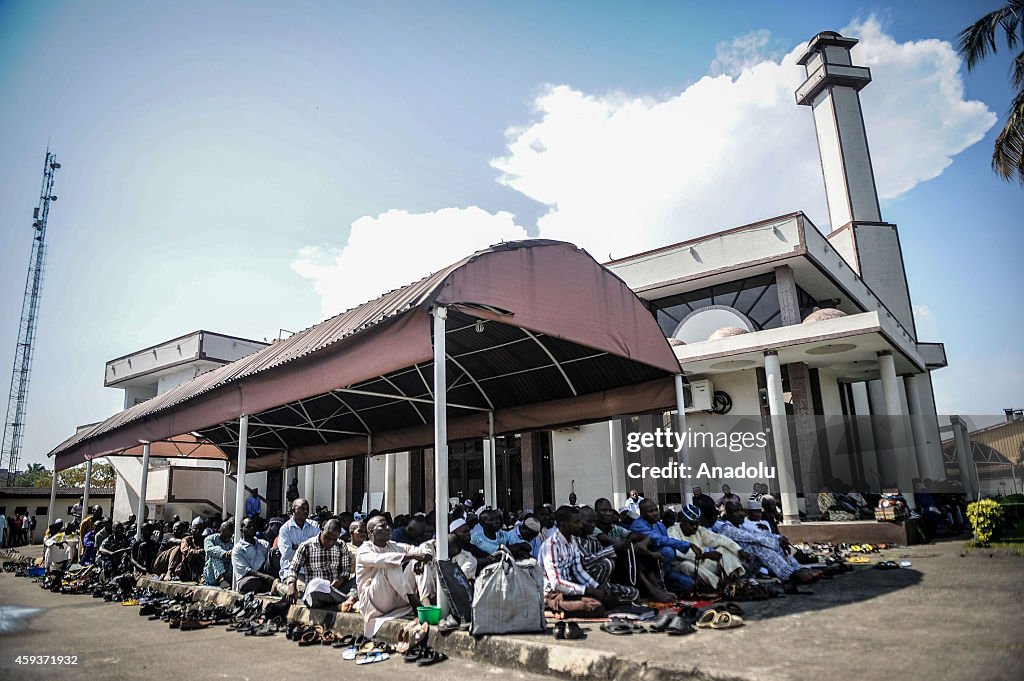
(440, 447)
(684, 452)
(140, 513)
(224, 491)
(284, 485)
(490, 486)
(85, 489)
(243, 449)
(53, 499)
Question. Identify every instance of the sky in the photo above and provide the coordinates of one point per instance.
(252, 167)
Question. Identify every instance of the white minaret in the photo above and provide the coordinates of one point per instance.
(831, 91)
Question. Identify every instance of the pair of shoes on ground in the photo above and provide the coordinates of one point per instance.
(569, 631)
(725, 616)
(424, 656)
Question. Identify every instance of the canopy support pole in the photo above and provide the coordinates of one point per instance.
(243, 441)
(224, 491)
(440, 314)
(285, 506)
(140, 513)
(490, 484)
(85, 489)
(684, 452)
(389, 484)
(53, 498)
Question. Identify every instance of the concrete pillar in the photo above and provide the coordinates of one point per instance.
(309, 481)
(51, 515)
(917, 426)
(780, 438)
(527, 461)
(933, 437)
(900, 453)
(490, 469)
(808, 461)
(789, 301)
(338, 488)
(964, 457)
(684, 452)
(389, 484)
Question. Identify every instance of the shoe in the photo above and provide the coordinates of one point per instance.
(574, 633)
(432, 657)
(560, 630)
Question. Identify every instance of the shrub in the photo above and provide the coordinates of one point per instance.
(985, 516)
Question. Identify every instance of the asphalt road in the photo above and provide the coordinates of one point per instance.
(112, 641)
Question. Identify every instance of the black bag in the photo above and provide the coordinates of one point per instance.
(457, 588)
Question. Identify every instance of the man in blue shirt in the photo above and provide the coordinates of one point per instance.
(649, 524)
(253, 504)
(298, 529)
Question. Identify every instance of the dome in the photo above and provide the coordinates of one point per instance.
(675, 341)
(823, 314)
(726, 332)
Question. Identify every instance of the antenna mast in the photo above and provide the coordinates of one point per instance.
(14, 427)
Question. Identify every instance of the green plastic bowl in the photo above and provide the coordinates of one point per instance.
(431, 614)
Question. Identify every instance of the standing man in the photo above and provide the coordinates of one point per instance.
(253, 504)
(632, 505)
(298, 529)
(727, 495)
(3, 530)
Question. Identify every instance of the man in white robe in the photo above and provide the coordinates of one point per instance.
(721, 557)
(390, 578)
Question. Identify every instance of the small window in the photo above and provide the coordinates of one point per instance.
(42, 510)
(20, 510)
(69, 508)
(3, 510)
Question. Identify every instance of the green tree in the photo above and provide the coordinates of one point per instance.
(977, 41)
(103, 475)
(30, 476)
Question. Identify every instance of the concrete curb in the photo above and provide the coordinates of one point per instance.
(536, 654)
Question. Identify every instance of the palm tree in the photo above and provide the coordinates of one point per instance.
(977, 41)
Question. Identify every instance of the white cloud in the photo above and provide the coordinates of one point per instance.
(924, 320)
(980, 385)
(397, 248)
(622, 173)
(742, 52)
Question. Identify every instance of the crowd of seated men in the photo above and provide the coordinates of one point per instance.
(594, 558)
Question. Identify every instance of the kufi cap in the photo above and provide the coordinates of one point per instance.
(691, 513)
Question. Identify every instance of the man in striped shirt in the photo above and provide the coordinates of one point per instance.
(568, 586)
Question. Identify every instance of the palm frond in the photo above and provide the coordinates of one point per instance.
(1018, 72)
(978, 40)
(1008, 155)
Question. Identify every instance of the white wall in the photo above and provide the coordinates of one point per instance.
(582, 455)
(831, 405)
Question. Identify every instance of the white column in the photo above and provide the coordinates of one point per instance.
(964, 456)
(899, 451)
(618, 461)
(336, 478)
(389, 483)
(684, 452)
(50, 517)
(243, 450)
(440, 446)
(917, 427)
(865, 433)
(140, 513)
(85, 489)
(490, 486)
(284, 485)
(309, 480)
(344, 503)
(780, 438)
(224, 491)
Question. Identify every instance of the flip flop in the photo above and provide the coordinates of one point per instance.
(659, 625)
(727, 620)
(344, 642)
(615, 629)
(680, 627)
(706, 619)
(858, 559)
(574, 633)
(433, 657)
(373, 656)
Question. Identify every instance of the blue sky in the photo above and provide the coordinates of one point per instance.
(243, 167)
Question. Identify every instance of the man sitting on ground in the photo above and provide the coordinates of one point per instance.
(568, 587)
(635, 563)
(771, 550)
(297, 529)
(413, 533)
(599, 560)
(390, 580)
(217, 571)
(247, 559)
(720, 556)
(356, 537)
(328, 568)
(649, 524)
(192, 555)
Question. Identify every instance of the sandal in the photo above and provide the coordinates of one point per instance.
(373, 656)
(680, 627)
(659, 625)
(559, 631)
(706, 619)
(432, 657)
(614, 629)
(312, 636)
(727, 620)
(574, 633)
(343, 641)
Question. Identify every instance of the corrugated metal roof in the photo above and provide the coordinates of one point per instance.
(302, 344)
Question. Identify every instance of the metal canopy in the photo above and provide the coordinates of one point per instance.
(538, 335)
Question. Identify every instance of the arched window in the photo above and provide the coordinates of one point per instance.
(701, 323)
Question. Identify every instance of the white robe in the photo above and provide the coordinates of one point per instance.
(709, 571)
(384, 585)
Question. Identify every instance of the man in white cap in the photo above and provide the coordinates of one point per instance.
(458, 539)
(754, 520)
(721, 557)
(390, 577)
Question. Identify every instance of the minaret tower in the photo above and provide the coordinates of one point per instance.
(869, 245)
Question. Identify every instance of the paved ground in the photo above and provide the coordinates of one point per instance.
(946, 617)
(113, 643)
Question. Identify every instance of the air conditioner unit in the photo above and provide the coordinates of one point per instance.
(698, 396)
